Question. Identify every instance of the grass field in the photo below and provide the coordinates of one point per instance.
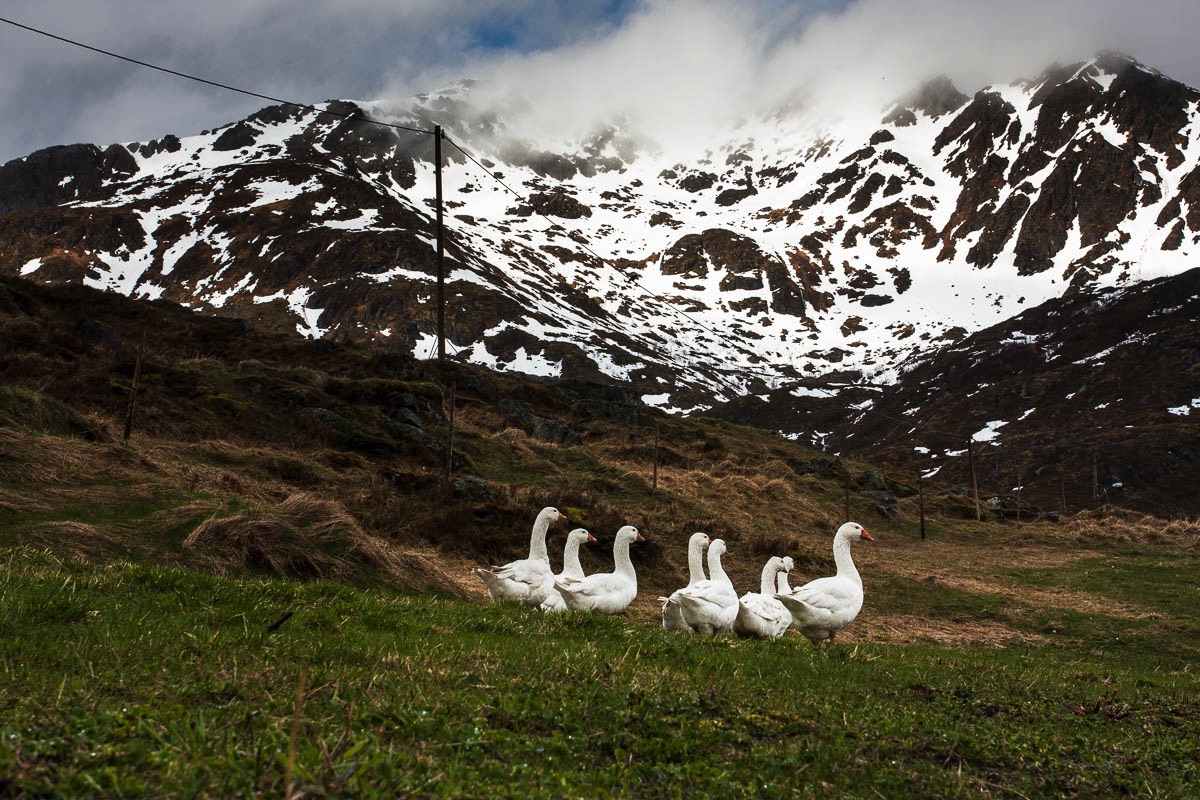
(127, 680)
(266, 592)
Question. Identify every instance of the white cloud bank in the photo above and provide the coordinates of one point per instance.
(668, 66)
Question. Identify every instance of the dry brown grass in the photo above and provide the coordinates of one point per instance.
(304, 535)
(269, 498)
(912, 629)
(1129, 526)
(75, 540)
(13, 503)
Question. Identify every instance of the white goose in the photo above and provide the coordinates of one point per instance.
(605, 592)
(781, 580)
(759, 614)
(672, 615)
(528, 580)
(572, 568)
(823, 607)
(711, 605)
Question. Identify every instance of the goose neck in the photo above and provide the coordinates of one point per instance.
(571, 562)
(715, 571)
(767, 584)
(537, 541)
(621, 560)
(845, 564)
(695, 563)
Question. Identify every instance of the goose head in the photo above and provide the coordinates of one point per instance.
(717, 547)
(629, 534)
(788, 564)
(580, 535)
(550, 514)
(852, 531)
(699, 538)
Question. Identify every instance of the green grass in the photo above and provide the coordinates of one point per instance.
(130, 680)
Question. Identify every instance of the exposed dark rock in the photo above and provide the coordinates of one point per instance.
(95, 332)
(473, 487)
(553, 204)
(731, 196)
(236, 137)
(886, 501)
(167, 144)
(60, 174)
(937, 97)
(698, 182)
(547, 430)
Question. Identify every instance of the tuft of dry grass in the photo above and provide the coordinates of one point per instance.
(304, 535)
(1121, 525)
(75, 540)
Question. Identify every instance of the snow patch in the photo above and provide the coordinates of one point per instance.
(989, 432)
(1185, 410)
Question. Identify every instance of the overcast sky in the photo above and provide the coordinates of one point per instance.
(671, 65)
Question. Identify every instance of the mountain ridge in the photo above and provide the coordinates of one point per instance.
(780, 257)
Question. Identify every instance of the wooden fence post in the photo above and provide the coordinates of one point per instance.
(133, 388)
(655, 482)
(450, 435)
(921, 499)
(974, 479)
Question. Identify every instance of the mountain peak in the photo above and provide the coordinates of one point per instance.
(936, 97)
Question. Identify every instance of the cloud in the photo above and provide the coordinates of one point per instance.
(675, 68)
(302, 50)
(670, 69)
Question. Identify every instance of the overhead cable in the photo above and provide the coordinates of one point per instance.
(197, 79)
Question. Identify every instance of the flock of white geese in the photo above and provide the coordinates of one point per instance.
(708, 605)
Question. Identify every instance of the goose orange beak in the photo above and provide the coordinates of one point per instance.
(867, 536)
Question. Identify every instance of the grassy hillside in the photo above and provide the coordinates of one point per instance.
(280, 524)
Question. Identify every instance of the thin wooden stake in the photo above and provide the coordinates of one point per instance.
(1062, 492)
(295, 734)
(1095, 482)
(450, 435)
(974, 479)
(1019, 488)
(847, 493)
(921, 500)
(133, 388)
(655, 482)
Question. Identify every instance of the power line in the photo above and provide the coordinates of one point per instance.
(197, 79)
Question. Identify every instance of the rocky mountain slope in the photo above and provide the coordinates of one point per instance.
(1081, 402)
(789, 258)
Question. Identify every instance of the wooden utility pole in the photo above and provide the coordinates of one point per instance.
(441, 262)
(974, 479)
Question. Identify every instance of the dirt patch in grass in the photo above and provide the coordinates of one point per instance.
(982, 567)
(911, 629)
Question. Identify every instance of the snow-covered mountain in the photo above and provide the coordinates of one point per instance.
(787, 250)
